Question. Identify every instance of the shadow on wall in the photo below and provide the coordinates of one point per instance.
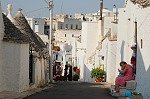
(122, 50)
(87, 73)
(142, 75)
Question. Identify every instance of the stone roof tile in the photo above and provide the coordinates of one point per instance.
(12, 33)
(143, 3)
(22, 24)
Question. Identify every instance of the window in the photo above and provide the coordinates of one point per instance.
(141, 43)
(47, 32)
(54, 27)
(71, 26)
(76, 26)
(65, 35)
(45, 23)
(61, 26)
(66, 26)
(72, 35)
(36, 22)
(46, 27)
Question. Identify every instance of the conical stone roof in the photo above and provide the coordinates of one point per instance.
(22, 24)
(12, 33)
(143, 3)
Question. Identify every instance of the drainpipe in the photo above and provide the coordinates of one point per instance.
(101, 20)
(135, 40)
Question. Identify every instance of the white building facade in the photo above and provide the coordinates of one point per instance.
(135, 11)
(98, 43)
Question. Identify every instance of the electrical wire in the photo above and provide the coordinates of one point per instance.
(46, 1)
(35, 10)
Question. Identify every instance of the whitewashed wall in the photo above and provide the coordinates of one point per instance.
(24, 68)
(62, 22)
(1, 37)
(123, 44)
(15, 66)
(109, 52)
(89, 40)
(39, 72)
(127, 16)
(110, 61)
(143, 56)
(70, 34)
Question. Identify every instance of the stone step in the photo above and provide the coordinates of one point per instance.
(132, 97)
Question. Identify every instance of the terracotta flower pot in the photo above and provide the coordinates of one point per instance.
(98, 80)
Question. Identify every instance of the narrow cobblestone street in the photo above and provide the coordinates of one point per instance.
(73, 90)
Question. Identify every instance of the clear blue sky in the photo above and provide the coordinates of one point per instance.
(35, 8)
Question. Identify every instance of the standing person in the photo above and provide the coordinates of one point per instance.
(66, 72)
(128, 75)
(133, 57)
(70, 74)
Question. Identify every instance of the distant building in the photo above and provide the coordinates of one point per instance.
(135, 18)
(38, 26)
(96, 36)
(93, 16)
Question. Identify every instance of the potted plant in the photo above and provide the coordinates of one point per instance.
(75, 77)
(98, 74)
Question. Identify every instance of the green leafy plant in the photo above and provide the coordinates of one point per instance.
(75, 77)
(97, 73)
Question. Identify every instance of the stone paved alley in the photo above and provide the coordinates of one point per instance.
(73, 90)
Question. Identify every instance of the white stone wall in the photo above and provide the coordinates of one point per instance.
(89, 41)
(15, 66)
(24, 68)
(66, 35)
(39, 72)
(108, 50)
(143, 56)
(89, 37)
(125, 37)
(68, 22)
(1, 37)
(44, 38)
(110, 61)
(127, 16)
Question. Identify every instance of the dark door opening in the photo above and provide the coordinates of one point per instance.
(30, 67)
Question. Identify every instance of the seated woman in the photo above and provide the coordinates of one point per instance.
(127, 70)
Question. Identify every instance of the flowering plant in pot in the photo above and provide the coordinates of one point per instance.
(98, 74)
